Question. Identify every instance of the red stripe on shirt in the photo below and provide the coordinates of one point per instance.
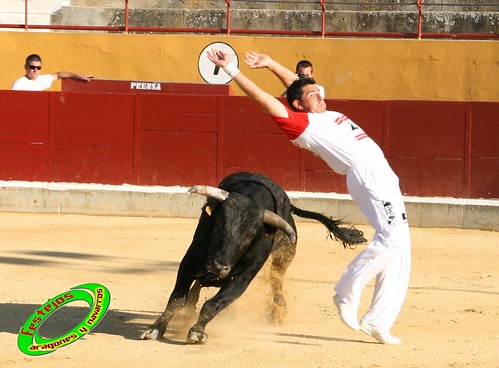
(340, 119)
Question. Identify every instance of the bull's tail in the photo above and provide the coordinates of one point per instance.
(347, 235)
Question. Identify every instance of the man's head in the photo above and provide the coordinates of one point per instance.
(303, 95)
(305, 67)
(33, 66)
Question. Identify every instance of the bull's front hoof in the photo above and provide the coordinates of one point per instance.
(197, 337)
(150, 334)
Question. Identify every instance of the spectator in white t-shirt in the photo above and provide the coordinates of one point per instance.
(34, 81)
(306, 68)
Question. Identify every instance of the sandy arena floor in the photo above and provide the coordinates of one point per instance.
(450, 317)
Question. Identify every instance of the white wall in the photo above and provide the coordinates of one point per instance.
(39, 11)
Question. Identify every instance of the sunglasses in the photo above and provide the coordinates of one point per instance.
(33, 67)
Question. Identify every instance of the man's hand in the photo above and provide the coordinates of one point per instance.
(84, 77)
(218, 57)
(256, 61)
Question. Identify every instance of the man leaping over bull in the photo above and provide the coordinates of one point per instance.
(371, 182)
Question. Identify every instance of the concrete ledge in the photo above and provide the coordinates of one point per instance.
(278, 19)
(129, 200)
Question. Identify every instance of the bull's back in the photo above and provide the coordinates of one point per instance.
(260, 189)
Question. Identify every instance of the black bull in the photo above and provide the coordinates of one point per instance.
(244, 221)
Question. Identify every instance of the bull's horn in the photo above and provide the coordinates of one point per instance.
(270, 218)
(217, 193)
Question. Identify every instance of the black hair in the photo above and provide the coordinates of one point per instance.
(295, 90)
(304, 64)
(33, 57)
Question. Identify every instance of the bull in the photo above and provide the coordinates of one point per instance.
(247, 219)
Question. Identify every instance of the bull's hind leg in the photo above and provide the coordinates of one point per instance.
(158, 328)
(178, 299)
(244, 272)
(193, 298)
(281, 259)
(225, 296)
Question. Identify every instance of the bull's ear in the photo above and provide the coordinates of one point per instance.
(272, 219)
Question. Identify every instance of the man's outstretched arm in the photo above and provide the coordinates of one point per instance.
(257, 61)
(72, 75)
(265, 100)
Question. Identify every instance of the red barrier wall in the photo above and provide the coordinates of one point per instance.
(437, 148)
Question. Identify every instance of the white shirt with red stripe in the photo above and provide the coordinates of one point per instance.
(332, 136)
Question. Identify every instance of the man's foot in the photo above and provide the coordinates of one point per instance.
(347, 314)
(379, 334)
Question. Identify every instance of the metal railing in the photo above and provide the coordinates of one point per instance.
(127, 28)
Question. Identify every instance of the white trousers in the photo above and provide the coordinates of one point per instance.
(375, 190)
